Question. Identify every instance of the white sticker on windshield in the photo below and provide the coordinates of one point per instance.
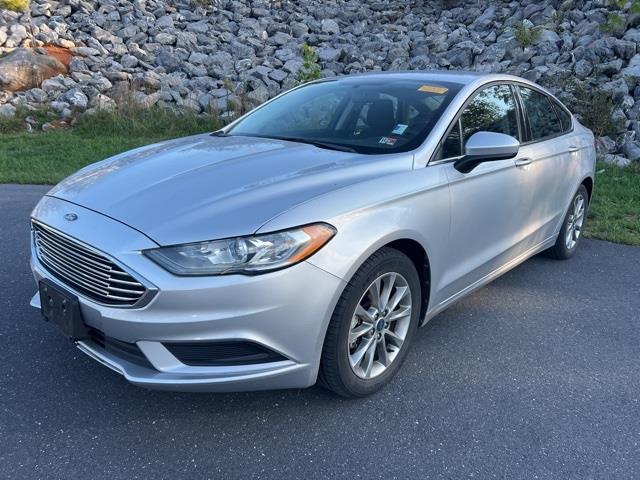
(399, 129)
(387, 141)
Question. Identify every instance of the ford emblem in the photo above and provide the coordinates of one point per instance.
(71, 217)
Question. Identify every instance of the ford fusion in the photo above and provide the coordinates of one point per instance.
(307, 241)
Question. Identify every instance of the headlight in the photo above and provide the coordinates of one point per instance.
(249, 255)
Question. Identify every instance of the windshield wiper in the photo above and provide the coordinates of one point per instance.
(327, 145)
(220, 133)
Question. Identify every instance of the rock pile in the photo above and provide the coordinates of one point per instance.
(198, 54)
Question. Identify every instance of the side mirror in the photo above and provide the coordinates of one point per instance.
(486, 147)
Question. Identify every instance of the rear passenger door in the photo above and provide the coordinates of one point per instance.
(548, 145)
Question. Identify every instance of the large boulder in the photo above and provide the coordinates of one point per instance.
(24, 69)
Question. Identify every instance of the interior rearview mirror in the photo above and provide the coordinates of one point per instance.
(486, 147)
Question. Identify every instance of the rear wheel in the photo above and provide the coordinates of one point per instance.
(372, 326)
(572, 227)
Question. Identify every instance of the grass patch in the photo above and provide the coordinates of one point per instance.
(614, 214)
(48, 157)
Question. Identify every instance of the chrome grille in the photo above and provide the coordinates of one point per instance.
(85, 270)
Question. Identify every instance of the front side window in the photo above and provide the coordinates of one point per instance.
(491, 110)
(543, 120)
(365, 115)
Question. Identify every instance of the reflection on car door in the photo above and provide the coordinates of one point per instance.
(490, 205)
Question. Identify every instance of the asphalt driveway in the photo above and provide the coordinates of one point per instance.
(534, 376)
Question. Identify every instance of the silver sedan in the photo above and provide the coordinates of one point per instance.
(308, 240)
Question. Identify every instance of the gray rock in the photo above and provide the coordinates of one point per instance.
(292, 66)
(616, 88)
(298, 29)
(76, 99)
(281, 38)
(330, 26)
(36, 95)
(605, 145)
(326, 54)
(258, 96)
(168, 60)
(129, 61)
(631, 150)
(631, 73)
(165, 23)
(7, 111)
(86, 51)
(102, 102)
(277, 75)
(583, 68)
(616, 160)
(625, 49)
(164, 38)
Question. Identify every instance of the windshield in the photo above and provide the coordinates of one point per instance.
(364, 115)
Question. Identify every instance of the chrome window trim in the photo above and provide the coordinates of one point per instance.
(522, 118)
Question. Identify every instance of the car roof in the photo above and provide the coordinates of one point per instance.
(460, 77)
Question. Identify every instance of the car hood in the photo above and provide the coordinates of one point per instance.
(207, 187)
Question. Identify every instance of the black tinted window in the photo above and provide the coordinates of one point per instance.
(492, 110)
(565, 118)
(452, 146)
(543, 119)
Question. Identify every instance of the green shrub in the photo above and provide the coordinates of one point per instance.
(526, 36)
(594, 107)
(14, 5)
(615, 23)
(310, 69)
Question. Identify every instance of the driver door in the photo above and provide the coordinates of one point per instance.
(490, 205)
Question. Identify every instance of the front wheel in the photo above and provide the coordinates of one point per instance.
(572, 227)
(372, 326)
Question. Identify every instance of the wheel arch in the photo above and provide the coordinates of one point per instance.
(588, 184)
(418, 256)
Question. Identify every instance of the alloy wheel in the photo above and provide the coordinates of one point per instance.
(379, 325)
(575, 221)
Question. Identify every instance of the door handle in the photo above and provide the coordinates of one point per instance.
(521, 162)
(573, 148)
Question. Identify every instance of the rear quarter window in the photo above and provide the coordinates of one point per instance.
(541, 113)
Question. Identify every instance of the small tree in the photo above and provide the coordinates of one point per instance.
(310, 69)
(20, 6)
(15, 5)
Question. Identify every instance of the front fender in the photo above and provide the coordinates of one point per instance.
(414, 205)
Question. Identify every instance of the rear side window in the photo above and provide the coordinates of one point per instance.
(543, 119)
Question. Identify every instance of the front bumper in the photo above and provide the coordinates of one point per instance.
(286, 311)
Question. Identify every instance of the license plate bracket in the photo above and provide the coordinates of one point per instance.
(62, 309)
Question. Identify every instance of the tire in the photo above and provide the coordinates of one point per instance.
(392, 271)
(563, 248)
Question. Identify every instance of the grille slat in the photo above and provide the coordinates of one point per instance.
(85, 252)
(71, 263)
(70, 254)
(75, 276)
(85, 270)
